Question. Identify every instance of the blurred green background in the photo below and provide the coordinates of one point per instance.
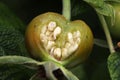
(27, 9)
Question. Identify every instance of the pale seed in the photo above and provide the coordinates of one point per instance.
(50, 45)
(56, 32)
(57, 53)
(64, 53)
(76, 34)
(73, 48)
(51, 26)
(52, 50)
(70, 37)
(43, 38)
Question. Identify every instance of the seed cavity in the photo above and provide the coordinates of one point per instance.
(67, 45)
(44, 29)
(48, 36)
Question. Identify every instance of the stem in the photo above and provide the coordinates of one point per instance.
(107, 33)
(66, 9)
(50, 67)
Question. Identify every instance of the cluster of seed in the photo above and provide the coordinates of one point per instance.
(48, 36)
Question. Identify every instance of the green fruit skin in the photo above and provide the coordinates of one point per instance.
(115, 29)
(37, 51)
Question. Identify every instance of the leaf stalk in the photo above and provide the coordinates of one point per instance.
(107, 33)
(66, 11)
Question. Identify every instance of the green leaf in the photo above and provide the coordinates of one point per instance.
(95, 3)
(2, 52)
(19, 60)
(37, 77)
(101, 7)
(78, 7)
(11, 33)
(118, 1)
(15, 60)
(10, 41)
(12, 18)
(15, 72)
(114, 65)
(69, 75)
(80, 72)
(13, 67)
(106, 10)
(34, 77)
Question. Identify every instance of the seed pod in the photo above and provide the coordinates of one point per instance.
(50, 36)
